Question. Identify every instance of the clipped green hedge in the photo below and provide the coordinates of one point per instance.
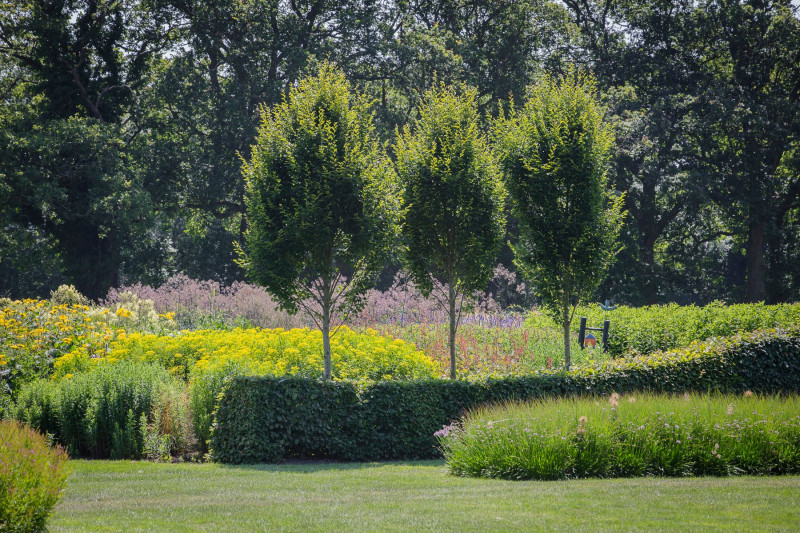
(261, 419)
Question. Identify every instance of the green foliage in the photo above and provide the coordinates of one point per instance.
(454, 198)
(32, 476)
(67, 295)
(453, 193)
(322, 202)
(97, 414)
(664, 327)
(397, 420)
(207, 358)
(628, 436)
(555, 155)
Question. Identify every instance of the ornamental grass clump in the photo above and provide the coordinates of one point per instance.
(628, 436)
(32, 476)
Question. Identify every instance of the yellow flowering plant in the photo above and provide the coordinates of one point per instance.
(254, 351)
(33, 333)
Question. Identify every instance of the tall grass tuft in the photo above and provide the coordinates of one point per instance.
(637, 435)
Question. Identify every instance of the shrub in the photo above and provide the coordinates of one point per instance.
(32, 475)
(397, 420)
(99, 414)
(207, 357)
(68, 295)
(633, 436)
(663, 327)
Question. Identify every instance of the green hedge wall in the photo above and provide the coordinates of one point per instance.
(261, 419)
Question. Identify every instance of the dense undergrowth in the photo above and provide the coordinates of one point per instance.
(123, 380)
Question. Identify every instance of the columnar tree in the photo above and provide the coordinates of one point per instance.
(554, 153)
(454, 199)
(323, 209)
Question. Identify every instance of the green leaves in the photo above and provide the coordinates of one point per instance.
(323, 206)
(453, 196)
(397, 420)
(554, 153)
(453, 193)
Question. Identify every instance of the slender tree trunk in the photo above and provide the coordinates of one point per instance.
(565, 324)
(452, 298)
(756, 287)
(326, 332)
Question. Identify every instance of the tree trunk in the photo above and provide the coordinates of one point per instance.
(756, 287)
(452, 299)
(326, 333)
(649, 287)
(565, 324)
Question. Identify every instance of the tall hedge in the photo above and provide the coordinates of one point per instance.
(262, 419)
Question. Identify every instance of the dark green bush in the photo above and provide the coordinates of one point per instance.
(268, 419)
(32, 475)
(98, 414)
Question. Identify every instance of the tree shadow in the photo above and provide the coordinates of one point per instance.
(310, 466)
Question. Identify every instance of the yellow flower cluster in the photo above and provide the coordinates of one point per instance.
(255, 351)
(35, 332)
(36, 326)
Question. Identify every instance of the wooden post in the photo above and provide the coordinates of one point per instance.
(582, 332)
(606, 325)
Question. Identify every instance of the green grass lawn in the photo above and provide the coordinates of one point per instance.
(140, 496)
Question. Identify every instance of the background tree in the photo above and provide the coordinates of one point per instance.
(454, 199)
(71, 75)
(750, 103)
(555, 154)
(322, 203)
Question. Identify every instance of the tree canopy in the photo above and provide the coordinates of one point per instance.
(122, 125)
(555, 153)
(323, 207)
(454, 199)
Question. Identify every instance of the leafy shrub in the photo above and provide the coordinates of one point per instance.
(68, 295)
(207, 357)
(663, 327)
(32, 475)
(99, 414)
(633, 436)
(397, 420)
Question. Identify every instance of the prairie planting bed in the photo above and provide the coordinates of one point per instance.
(137, 496)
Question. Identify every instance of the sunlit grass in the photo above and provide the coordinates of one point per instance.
(132, 497)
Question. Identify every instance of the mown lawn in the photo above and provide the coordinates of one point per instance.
(140, 496)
